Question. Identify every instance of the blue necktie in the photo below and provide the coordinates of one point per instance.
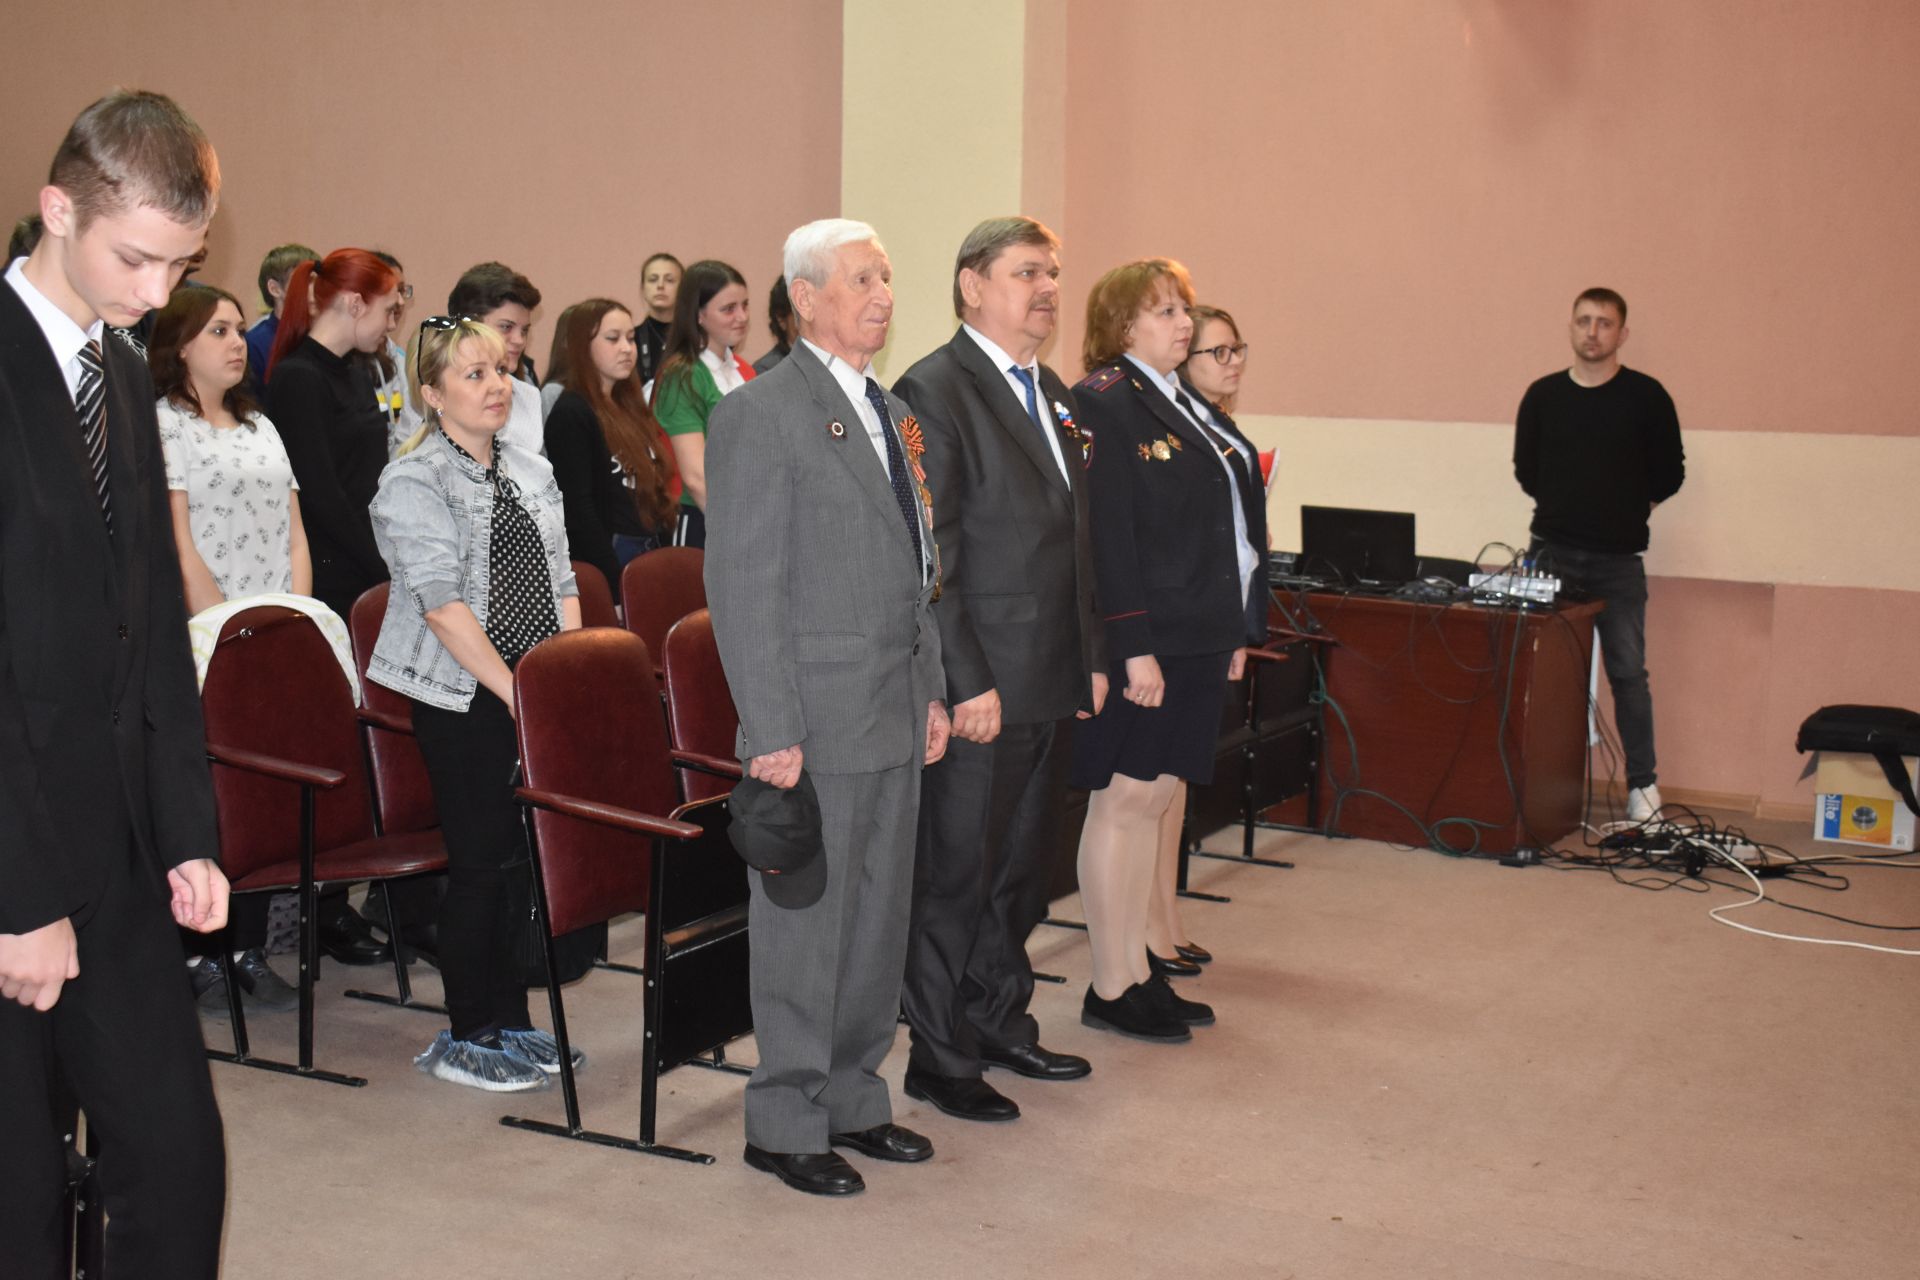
(897, 465)
(1033, 401)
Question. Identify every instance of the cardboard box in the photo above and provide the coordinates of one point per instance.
(1856, 805)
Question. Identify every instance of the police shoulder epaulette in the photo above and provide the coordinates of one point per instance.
(1101, 379)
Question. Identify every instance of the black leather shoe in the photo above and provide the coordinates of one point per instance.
(1135, 1013)
(1035, 1063)
(209, 979)
(1193, 951)
(350, 939)
(1177, 967)
(886, 1142)
(961, 1097)
(260, 986)
(1190, 1012)
(824, 1174)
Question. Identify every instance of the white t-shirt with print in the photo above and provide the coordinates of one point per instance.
(237, 481)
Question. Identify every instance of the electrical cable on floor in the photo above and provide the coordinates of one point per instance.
(1760, 895)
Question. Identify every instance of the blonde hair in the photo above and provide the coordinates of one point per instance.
(430, 353)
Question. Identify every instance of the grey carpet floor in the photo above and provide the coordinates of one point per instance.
(1423, 1067)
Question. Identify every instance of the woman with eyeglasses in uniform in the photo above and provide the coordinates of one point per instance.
(473, 532)
(1216, 358)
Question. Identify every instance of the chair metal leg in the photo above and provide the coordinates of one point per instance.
(1187, 846)
(572, 1129)
(1081, 925)
(717, 1061)
(617, 967)
(1048, 977)
(309, 966)
(402, 957)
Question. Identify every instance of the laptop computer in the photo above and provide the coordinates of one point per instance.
(1371, 548)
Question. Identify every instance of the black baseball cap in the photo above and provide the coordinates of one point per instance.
(776, 830)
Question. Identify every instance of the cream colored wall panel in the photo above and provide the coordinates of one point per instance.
(931, 129)
(1758, 506)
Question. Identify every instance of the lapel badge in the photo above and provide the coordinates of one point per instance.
(1174, 440)
(1160, 450)
(836, 430)
(1136, 384)
(1145, 453)
(1065, 418)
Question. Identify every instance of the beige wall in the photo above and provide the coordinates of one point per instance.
(930, 144)
(568, 140)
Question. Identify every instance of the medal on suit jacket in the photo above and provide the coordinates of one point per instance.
(916, 443)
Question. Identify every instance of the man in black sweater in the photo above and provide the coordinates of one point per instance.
(1597, 448)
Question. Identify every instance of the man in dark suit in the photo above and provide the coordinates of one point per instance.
(820, 572)
(1024, 657)
(107, 835)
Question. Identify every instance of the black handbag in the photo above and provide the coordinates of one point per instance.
(1888, 734)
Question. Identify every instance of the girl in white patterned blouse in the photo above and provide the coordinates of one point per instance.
(236, 507)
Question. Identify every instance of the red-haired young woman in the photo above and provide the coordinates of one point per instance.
(323, 405)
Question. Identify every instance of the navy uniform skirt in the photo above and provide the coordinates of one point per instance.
(1176, 737)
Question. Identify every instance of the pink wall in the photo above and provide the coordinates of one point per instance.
(568, 141)
(1400, 200)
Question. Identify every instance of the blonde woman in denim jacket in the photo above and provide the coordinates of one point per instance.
(473, 533)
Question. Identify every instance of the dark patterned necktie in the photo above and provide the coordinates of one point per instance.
(1213, 435)
(897, 465)
(90, 403)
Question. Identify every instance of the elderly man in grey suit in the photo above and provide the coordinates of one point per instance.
(821, 570)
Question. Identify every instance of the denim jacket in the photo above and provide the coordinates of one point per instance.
(433, 522)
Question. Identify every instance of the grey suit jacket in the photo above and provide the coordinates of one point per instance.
(1016, 608)
(824, 624)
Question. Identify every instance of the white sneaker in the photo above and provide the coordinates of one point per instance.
(1643, 803)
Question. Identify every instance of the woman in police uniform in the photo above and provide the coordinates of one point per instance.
(1177, 528)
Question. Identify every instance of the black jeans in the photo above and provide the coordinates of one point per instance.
(471, 757)
(1620, 580)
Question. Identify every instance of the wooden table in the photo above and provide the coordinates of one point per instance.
(1426, 691)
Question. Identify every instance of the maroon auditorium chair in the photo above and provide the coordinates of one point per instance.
(700, 713)
(660, 588)
(290, 791)
(596, 598)
(594, 755)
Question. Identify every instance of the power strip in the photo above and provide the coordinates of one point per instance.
(1537, 587)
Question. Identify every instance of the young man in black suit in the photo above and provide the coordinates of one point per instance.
(107, 836)
(1005, 468)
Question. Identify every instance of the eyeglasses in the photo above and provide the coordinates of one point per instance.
(406, 292)
(1225, 353)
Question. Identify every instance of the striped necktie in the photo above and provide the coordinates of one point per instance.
(90, 403)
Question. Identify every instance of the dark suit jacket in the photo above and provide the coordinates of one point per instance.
(100, 734)
(1016, 607)
(1253, 498)
(1167, 573)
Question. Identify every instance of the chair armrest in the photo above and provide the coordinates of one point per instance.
(714, 765)
(1287, 636)
(274, 767)
(1267, 655)
(385, 720)
(608, 815)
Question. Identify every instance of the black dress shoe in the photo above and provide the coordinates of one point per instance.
(210, 983)
(1136, 1013)
(892, 1142)
(1190, 1012)
(350, 939)
(823, 1174)
(260, 986)
(1177, 967)
(1193, 951)
(960, 1096)
(1032, 1061)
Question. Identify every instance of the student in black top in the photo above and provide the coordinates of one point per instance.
(659, 289)
(1180, 588)
(781, 324)
(107, 835)
(614, 467)
(322, 403)
(1597, 448)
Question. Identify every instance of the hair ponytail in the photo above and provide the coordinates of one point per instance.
(314, 285)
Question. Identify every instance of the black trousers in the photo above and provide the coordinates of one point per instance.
(1621, 580)
(125, 1042)
(471, 757)
(989, 829)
